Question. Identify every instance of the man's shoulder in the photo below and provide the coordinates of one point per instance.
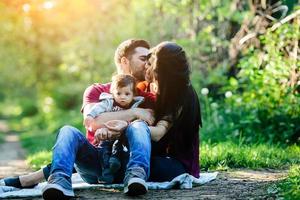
(97, 88)
(93, 92)
(103, 87)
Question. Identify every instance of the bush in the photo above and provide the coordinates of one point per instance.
(68, 96)
(29, 107)
(262, 102)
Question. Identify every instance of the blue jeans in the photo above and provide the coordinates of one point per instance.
(73, 149)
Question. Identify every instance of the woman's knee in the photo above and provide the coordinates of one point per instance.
(165, 169)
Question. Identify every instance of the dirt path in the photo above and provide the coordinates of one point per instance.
(11, 154)
(237, 184)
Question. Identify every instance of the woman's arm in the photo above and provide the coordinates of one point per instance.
(158, 131)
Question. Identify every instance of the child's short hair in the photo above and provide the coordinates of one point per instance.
(123, 80)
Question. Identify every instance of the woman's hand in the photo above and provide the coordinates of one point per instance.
(144, 114)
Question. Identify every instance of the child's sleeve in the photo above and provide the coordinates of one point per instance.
(98, 108)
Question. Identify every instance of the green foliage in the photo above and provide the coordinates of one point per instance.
(226, 155)
(39, 133)
(289, 189)
(1, 137)
(29, 107)
(262, 103)
(40, 159)
(265, 82)
(37, 140)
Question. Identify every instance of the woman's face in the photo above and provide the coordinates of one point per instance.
(151, 75)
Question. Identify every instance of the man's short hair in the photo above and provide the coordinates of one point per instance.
(126, 49)
(123, 80)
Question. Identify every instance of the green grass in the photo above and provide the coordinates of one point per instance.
(226, 155)
(37, 140)
(39, 159)
(290, 187)
(38, 144)
(38, 133)
(221, 156)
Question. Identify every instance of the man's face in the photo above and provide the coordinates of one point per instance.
(123, 95)
(137, 63)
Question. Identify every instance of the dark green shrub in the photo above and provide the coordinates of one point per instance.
(265, 91)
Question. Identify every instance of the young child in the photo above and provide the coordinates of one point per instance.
(123, 91)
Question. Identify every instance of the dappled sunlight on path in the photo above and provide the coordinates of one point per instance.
(259, 175)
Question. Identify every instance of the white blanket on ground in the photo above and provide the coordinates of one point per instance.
(183, 181)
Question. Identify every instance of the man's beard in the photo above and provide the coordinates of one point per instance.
(139, 76)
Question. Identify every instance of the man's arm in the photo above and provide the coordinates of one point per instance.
(126, 115)
(91, 97)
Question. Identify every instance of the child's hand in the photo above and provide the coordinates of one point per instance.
(100, 134)
(88, 121)
(105, 134)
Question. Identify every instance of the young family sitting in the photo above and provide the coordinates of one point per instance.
(143, 126)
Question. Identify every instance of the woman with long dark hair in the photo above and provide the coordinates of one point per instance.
(177, 110)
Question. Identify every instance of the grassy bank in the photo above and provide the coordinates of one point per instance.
(227, 155)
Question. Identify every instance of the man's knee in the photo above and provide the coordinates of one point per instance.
(137, 128)
(69, 131)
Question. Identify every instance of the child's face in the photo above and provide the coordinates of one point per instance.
(123, 95)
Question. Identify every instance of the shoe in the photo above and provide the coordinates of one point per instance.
(58, 187)
(135, 187)
(51, 192)
(134, 182)
(114, 164)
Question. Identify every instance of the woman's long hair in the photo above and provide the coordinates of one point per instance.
(176, 98)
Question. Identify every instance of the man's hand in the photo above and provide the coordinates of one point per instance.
(105, 134)
(144, 114)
